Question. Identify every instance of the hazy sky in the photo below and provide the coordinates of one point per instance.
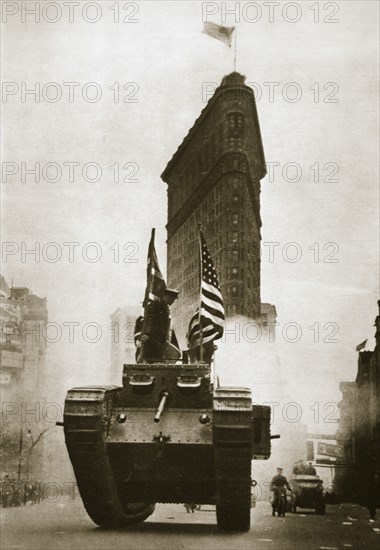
(322, 118)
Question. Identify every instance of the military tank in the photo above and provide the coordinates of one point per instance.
(169, 434)
(165, 436)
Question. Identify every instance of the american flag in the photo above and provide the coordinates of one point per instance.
(207, 324)
(156, 286)
(224, 34)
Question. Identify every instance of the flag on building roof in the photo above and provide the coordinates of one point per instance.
(219, 32)
(361, 346)
(207, 324)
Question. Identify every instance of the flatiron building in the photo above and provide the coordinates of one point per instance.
(213, 179)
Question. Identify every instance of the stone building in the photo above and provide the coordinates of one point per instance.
(34, 317)
(214, 179)
(22, 377)
(11, 356)
(359, 424)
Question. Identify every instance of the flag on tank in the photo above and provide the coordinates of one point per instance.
(207, 324)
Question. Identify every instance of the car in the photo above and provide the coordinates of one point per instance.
(308, 492)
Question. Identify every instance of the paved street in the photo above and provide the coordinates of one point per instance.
(65, 525)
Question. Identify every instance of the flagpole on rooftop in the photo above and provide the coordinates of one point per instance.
(235, 49)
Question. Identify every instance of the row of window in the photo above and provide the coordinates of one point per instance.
(236, 254)
(234, 142)
(234, 309)
(236, 121)
(211, 150)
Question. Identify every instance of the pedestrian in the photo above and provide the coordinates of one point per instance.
(373, 498)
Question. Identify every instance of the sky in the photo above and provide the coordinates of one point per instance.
(136, 88)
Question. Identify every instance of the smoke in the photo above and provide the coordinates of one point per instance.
(250, 356)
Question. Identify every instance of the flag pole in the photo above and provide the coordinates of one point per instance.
(149, 272)
(147, 291)
(200, 296)
(235, 49)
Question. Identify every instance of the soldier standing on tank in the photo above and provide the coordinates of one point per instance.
(154, 336)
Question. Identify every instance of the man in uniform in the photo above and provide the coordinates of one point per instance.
(310, 470)
(154, 337)
(278, 483)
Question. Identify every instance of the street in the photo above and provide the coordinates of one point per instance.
(65, 525)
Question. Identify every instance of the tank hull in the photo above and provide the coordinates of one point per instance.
(198, 449)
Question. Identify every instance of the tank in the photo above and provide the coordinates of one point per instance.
(167, 435)
(170, 433)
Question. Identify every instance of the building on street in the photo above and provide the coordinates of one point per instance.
(359, 424)
(214, 179)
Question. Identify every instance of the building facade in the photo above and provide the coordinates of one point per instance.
(22, 377)
(359, 424)
(213, 179)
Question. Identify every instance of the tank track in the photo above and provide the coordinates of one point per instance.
(86, 419)
(233, 454)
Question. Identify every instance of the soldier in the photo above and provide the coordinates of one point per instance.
(154, 336)
(299, 468)
(296, 468)
(279, 480)
(6, 492)
(310, 470)
(278, 485)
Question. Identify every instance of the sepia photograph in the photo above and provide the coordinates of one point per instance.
(190, 305)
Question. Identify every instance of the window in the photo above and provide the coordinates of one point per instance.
(235, 121)
(239, 120)
(235, 219)
(235, 199)
(235, 237)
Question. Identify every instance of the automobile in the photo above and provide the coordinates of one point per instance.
(308, 492)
